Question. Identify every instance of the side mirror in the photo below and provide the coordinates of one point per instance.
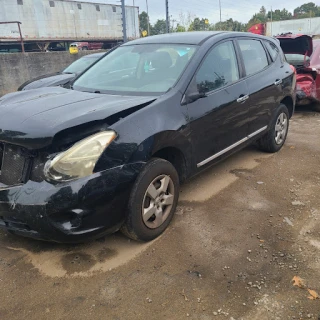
(193, 93)
(194, 96)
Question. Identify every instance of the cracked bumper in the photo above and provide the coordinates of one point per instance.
(76, 211)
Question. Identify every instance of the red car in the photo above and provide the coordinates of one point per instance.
(87, 45)
(304, 54)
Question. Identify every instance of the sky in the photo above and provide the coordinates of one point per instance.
(241, 10)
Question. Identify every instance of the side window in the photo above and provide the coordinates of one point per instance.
(254, 56)
(273, 50)
(219, 68)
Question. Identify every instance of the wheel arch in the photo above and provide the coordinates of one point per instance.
(288, 102)
(172, 146)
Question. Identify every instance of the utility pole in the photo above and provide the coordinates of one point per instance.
(148, 18)
(167, 17)
(220, 13)
(124, 22)
(271, 22)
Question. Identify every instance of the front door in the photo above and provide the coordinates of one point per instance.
(218, 120)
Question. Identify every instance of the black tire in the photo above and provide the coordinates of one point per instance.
(84, 48)
(135, 227)
(268, 142)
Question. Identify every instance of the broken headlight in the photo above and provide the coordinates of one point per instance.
(79, 160)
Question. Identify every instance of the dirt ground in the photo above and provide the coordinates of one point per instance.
(242, 231)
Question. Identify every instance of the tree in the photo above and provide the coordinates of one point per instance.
(143, 20)
(159, 27)
(278, 15)
(263, 11)
(179, 28)
(185, 19)
(198, 25)
(306, 10)
(230, 25)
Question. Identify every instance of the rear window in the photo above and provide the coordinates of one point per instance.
(254, 56)
(273, 50)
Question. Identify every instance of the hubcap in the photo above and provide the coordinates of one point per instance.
(281, 128)
(158, 201)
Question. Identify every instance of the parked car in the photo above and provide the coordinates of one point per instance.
(63, 77)
(87, 45)
(110, 152)
(57, 46)
(304, 54)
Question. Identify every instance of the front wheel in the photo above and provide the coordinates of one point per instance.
(153, 201)
(275, 138)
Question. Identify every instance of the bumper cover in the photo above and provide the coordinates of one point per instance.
(76, 211)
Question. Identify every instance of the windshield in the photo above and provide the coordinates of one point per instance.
(150, 68)
(80, 65)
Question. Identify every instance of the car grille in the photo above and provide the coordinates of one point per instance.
(18, 165)
(12, 165)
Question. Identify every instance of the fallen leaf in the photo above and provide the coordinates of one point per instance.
(185, 297)
(297, 281)
(314, 295)
(292, 147)
(261, 241)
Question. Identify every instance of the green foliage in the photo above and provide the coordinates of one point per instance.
(143, 20)
(307, 10)
(198, 25)
(159, 27)
(179, 28)
(189, 22)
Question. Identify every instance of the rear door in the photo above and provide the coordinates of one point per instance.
(264, 79)
(218, 120)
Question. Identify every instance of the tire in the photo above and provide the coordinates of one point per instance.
(84, 48)
(150, 212)
(275, 138)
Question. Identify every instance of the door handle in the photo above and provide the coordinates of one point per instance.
(278, 82)
(243, 98)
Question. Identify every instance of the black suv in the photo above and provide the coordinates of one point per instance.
(110, 152)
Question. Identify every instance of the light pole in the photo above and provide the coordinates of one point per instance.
(148, 18)
(167, 17)
(124, 22)
(220, 13)
(134, 20)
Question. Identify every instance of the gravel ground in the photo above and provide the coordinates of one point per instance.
(243, 230)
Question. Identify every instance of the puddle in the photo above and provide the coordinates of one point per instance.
(213, 180)
(84, 260)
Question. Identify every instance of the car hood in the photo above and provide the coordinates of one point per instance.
(296, 44)
(32, 118)
(47, 81)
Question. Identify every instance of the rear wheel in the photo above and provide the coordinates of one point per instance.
(153, 201)
(275, 138)
(84, 48)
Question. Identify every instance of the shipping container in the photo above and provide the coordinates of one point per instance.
(309, 26)
(63, 20)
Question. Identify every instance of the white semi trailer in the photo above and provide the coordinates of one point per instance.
(47, 21)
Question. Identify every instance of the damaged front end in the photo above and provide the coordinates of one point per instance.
(57, 180)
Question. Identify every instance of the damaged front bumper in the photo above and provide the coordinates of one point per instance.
(76, 211)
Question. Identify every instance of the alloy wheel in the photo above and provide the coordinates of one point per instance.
(281, 128)
(158, 201)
